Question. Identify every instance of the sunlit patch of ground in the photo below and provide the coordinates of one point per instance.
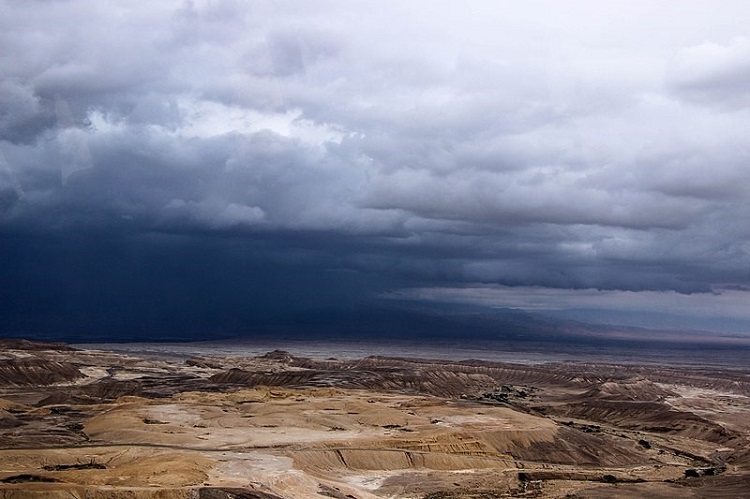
(161, 428)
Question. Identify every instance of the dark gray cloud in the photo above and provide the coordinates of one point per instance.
(540, 146)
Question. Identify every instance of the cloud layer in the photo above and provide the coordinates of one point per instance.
(546, 145)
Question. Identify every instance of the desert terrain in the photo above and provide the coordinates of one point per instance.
(92, 423)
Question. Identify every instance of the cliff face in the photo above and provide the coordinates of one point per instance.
(20, 344)
(36, 372)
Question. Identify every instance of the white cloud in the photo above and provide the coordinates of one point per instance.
(714, 73)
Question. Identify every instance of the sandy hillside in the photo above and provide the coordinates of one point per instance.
(94, 424)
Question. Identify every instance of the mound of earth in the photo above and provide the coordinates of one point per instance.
(36, 372)
(77, 423)
(21, 344)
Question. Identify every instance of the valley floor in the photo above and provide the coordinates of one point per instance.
(94, 423)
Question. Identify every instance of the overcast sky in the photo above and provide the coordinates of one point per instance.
(217, 160)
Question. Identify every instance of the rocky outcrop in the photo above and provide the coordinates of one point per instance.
(36, 372)
(637, 390)
(250, 379)
(20, 344)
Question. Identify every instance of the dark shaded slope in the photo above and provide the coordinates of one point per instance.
(36, 372)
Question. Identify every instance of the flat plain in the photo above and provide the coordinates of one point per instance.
(88, 423)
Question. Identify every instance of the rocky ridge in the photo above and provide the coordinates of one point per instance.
(99, 424)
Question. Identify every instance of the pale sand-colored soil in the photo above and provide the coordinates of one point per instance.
(129, 427)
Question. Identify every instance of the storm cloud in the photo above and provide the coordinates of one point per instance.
(224, 161)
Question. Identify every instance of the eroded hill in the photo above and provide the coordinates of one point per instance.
(77, 423)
